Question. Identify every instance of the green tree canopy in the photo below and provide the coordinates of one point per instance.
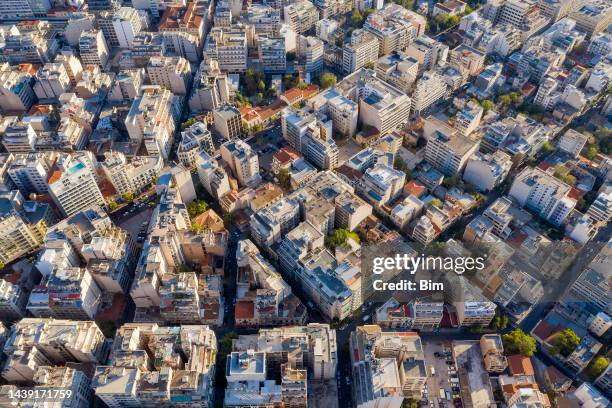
(518, 342)
(196, 208)
(597, 366)
(565, 342)
(340, 238)
(327, 80)
(129, 196)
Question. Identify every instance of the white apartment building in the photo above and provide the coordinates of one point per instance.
(544, 194)
(15, 88)
(381, 184)
(150, 120)
(398, 69)
(272, 54)
(485, 172)
(51, 81)
(228, 46)
(600, 45)
(73, 186)
(394, 27)
(468, 118)
(133, 177)
(195, 139)
(301, 16)
(310, 51)
(572, 142)
(447, 150)
(127, 22)
(325, 27)
(243, 162)
(362, 49)
(430, 88)
(173, 73)
(601, 209)
(92, 48)
(127, 86)
(343, 112)
(183, 30)
(30, 172)
(265, 18)
(592, 16)
(228, 121)
(428, 52)
(381, 105)
(212, 176)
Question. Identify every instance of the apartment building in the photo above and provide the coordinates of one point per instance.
(592, 16)
(601, 209)
(310, 53)
(126, 22)
(301, 16)
(600, 44)
(447, 150)
(228, 47)
(92, 48)
(265, 18)
(183, 30)
(73, 183)
(487, 171)
(36, 342)
(173, 73)
(381, 105)
(150, 120)
(15, 86)
(13, 300)
(210, 89)
(127, 85)
(468, 118)
(394, 27)
(134, 176)
(272, 54)
(228, 121)
(543, 194)
(23, 225)
(268, 225)
(386, 367)
(212, 176)
(381, 184)
(398, 69)
(492, 350)
(260, 357)
(182, 368)
(243, 162)
(361, 50)
(51, 81)
(30, 42)
(195, 139)
(428, 52)
(430, 88)
(468, 60)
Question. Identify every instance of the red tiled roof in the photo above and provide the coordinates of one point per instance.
(245, 309)
(520, 365)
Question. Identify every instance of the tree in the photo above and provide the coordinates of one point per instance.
(327, 80)
(340, 238)
(436, 202)
(547, 147)
(591, 151)
(2, 265)
(284, 179)
(196, 208)
(565, 342)
(487, 105)
(370, 65)
(500, 322)
(518, 342)
(112, 206)
(399, 164)
(410, 403)
(187, 123)
(450, 182)
(356, 18)
(129, 196)
(597, 366)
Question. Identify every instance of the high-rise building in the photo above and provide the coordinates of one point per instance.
(150, 120)
(92, 48)
(228, 122)
(228, 46)
(381, 184)
(243, 162)
(15, 87)
(394, 27)
(194, 139)
(272, 54)
(592, 16)
(301, 16)
(430, 88)
(131, 177)
(183, 30)
(361, 50)
(173, 73)
(212, 176)
(428, 52)
(51, 81)
(23, 225)
(398, 69)
(544, 194)
(310, 53)
(386, 366)
(127, 22)
(447, 149)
